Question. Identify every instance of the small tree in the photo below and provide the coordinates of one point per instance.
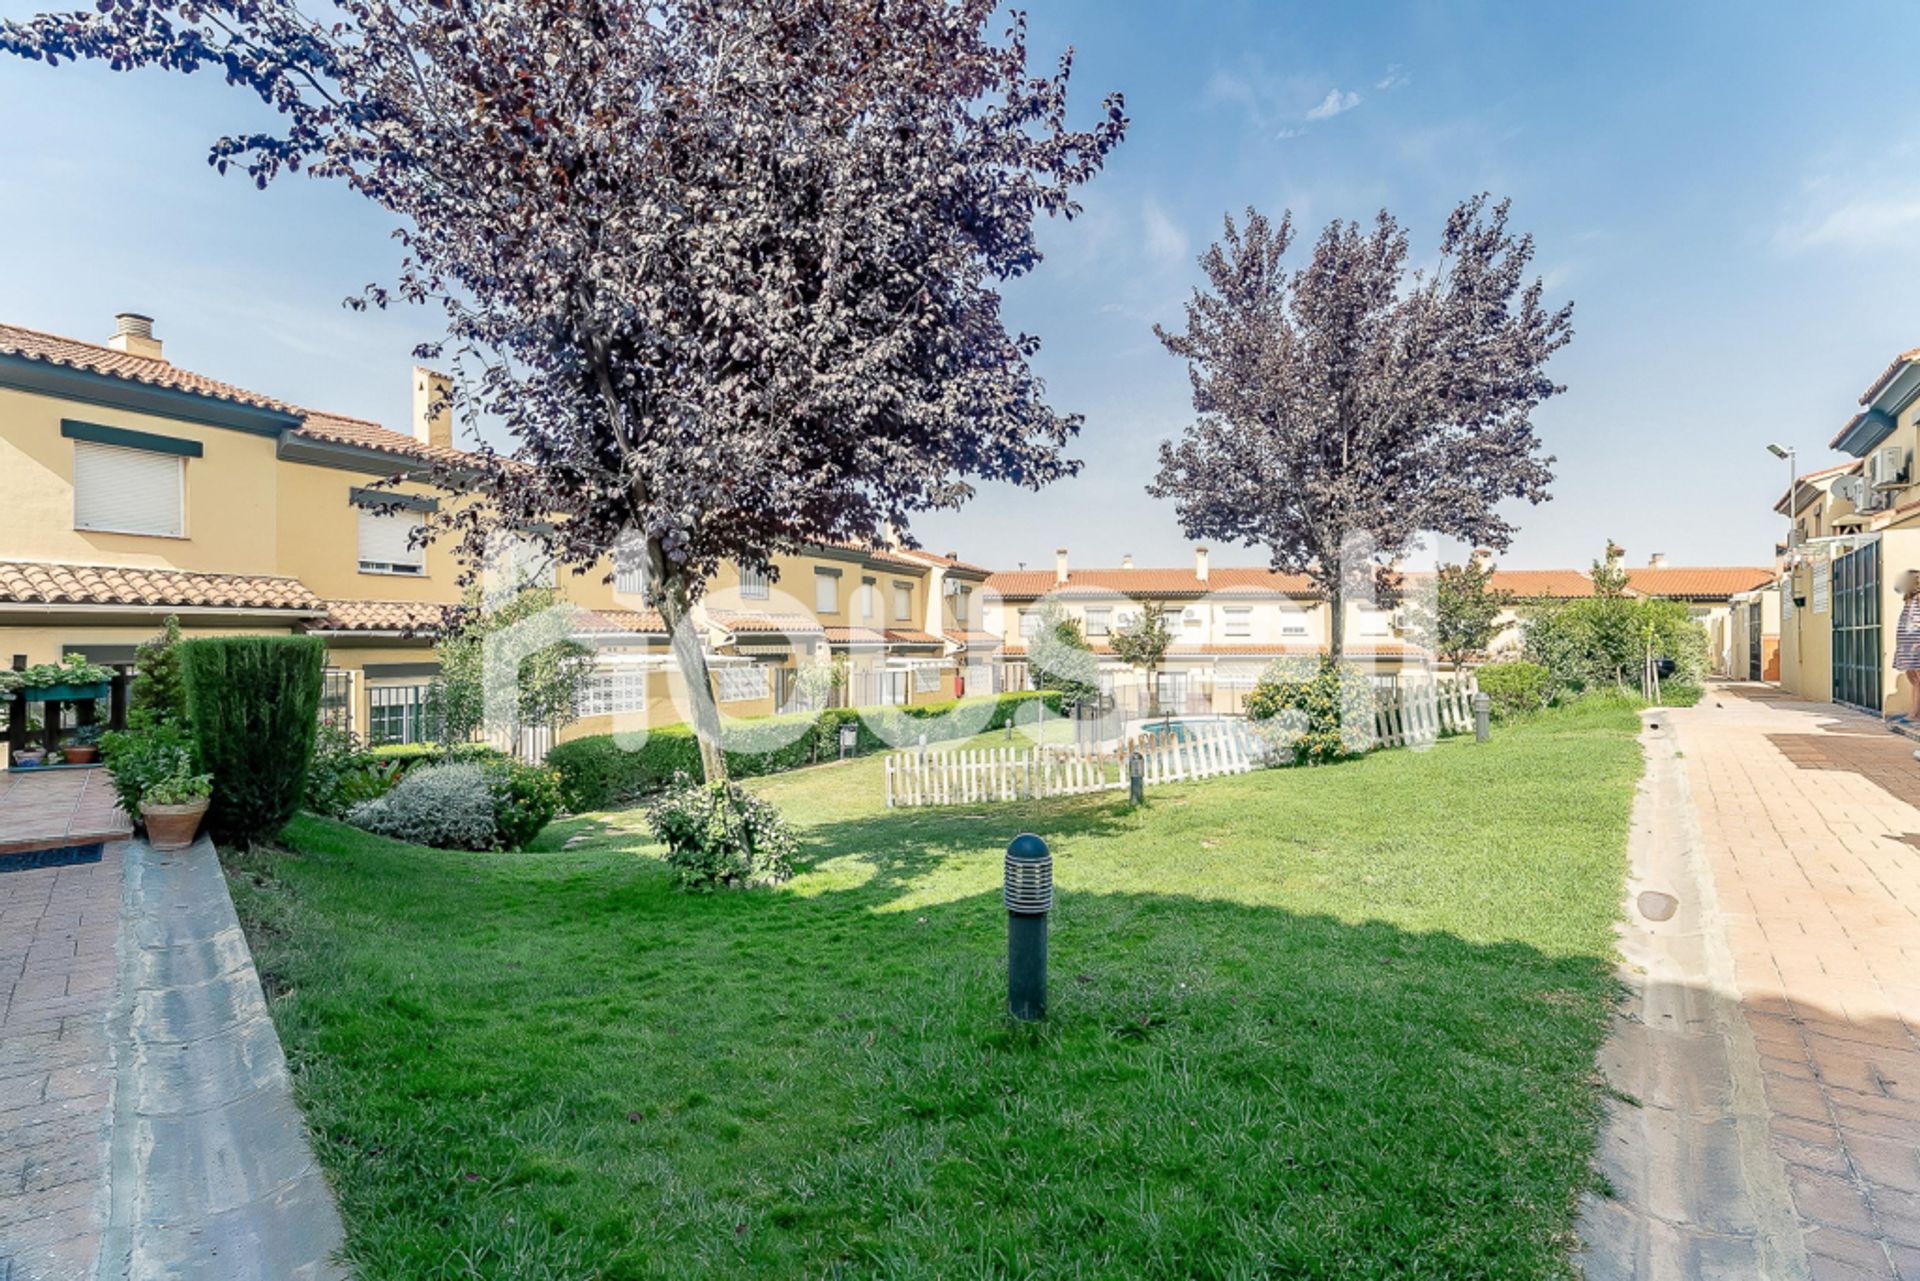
(159, 692)
(1061, 659)
(1349, 407)
(549, 683)
(727, 272)
(1142, 642)
(1468, 610)
(1608, 574)
(254, 702)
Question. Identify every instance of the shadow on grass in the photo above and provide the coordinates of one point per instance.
(562, 1067)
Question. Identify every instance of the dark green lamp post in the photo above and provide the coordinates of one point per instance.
(1029, 897)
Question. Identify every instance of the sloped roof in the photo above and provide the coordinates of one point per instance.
(382, 616)
(1698, 584)
(943, 561)
(783, 624)
(43, 583)
(1536, 584)
(911, 636)
(366, 434)
(960, 636)
(1893, 367)
(71, 353)
(1030, 584)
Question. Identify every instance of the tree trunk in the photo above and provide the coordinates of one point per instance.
(676, 610)
(1336, 622)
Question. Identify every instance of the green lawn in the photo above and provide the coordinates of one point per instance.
(1333, 1022)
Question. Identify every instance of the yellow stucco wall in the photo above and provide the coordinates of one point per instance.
(230, 492)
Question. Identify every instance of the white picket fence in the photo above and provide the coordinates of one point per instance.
(1404, 715)
(1419, 712)
(971, 775)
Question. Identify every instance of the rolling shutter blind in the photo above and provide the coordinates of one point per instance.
(127, 491)
(383, 542)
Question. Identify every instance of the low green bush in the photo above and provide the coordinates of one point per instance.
(1516, 688)
(598, 771)
(1679, 693)
(254, 704)
(344, 773)
(525, 799)
(139, 760)
(721, 836)
(447, 807)
(1313, 711)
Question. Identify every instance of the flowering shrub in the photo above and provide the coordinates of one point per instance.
(345, 774)
(721, 835)
(1313, 711)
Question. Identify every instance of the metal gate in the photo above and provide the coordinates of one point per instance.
(1755, 663)
(1856, 628)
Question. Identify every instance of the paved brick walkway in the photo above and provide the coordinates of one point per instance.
(58, 926)
(39, 808)
(1808, 816)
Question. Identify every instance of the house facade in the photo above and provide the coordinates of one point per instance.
(138, 489)
(1855, 530)
(1226, 623)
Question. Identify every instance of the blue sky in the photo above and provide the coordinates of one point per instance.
(1728, 193)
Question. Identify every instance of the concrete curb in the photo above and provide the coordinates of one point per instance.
(212, 1177)
(1698, 1190)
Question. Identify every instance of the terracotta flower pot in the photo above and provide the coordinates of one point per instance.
(80, 755)
(173, 827)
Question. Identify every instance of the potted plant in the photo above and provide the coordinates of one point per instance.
(72, 679)
(30, 757)
(82, 746)
(172, 808)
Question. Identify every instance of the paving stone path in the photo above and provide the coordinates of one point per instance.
(58, 925)
(1776, 1021)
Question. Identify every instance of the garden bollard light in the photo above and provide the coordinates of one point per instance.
(923, 749)
(1482, 713)
(1029, 897)
(1136, 778)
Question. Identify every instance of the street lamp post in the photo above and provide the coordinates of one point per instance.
(1793, 479)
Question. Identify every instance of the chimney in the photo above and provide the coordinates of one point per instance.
(133, 334)
(1200, 563)
(432, 408)
(1481, 555)
(1060, 567)
(1657, 561)
(1126, 562)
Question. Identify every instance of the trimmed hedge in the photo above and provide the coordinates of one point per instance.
(254, 704)
(596, 772)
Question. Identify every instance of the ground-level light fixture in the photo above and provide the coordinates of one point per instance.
(1028, 894)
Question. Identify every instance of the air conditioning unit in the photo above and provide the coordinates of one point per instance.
(1190, 615)
(1887, 468)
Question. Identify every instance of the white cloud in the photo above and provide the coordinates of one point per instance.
(1871, 222)
(1289, 133)
(1165, 240)
(1334, 103)
(1393, 79)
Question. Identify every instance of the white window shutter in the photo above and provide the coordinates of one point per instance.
(128, 491)
(384, 541)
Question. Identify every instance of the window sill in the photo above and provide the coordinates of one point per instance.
(393, 573)
(129, 533)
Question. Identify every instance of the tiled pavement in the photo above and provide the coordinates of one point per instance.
(1810, 818)
(39, 808)
(58, 926)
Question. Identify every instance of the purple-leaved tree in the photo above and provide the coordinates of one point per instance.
(725, 270)
(1349, 406)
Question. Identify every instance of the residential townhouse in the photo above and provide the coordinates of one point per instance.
(1226, 623)
(1711, 594)
(1855, 529)
(137, 489)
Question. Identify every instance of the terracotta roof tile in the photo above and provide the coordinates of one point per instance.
(785, 624)
(911, 636)
(943, 561)
(1030, 584)
(973, 639)
(421, 617)
(40, 583)
(73, 354)
(364, 434)
(1538, 584)
(638, 622)
(1893, 367)
(1698, 584)
(1250, 649)
(854, 636)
